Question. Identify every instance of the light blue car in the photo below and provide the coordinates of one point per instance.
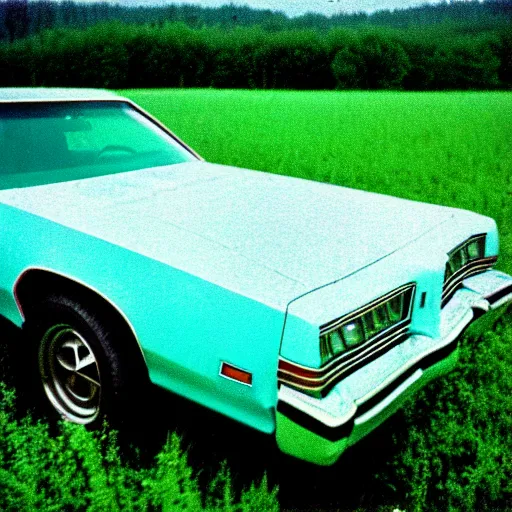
(307, 311)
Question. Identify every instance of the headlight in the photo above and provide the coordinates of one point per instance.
(476, 249)
(465, 260)
(366, 323)
(471, 250)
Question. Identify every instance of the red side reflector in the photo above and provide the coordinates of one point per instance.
(234, 373)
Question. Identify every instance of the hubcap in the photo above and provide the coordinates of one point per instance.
(70, 374)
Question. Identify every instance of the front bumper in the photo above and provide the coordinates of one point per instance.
(320, 429)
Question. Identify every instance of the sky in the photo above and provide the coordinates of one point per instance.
(295, 7)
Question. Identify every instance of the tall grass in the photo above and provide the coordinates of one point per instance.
(457, 454)
(73, 469)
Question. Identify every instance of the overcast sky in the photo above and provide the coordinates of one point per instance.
(297, 7)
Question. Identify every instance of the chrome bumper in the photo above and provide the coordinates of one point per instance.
(320, 429)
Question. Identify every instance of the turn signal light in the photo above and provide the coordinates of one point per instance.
(232, 372)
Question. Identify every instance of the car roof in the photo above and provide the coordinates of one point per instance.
(36, 94)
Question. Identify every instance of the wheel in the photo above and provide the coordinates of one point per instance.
(70, 374)
(81, 369)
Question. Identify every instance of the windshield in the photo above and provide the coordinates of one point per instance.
(42, 143)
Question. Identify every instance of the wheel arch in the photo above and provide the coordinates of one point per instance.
(33, 284)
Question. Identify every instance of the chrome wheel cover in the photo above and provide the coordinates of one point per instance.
(70, 374)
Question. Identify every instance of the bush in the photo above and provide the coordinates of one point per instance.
(77, 470)
(458, 455)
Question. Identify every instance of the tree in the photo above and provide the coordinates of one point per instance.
(45, 15)
(16, 19)
(503, 50)
(347, 68)
(385, 61)
(69, 13)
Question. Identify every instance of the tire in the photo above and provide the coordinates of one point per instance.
(82, 369)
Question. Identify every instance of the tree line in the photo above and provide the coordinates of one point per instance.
(21, 18)
(472, 53)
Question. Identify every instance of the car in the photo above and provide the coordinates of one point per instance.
(304, 310)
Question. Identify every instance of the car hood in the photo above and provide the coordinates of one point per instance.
(269, 237)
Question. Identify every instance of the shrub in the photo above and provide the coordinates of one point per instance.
(458, 455)
(75, 469)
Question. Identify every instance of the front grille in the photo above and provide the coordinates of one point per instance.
(464, 262)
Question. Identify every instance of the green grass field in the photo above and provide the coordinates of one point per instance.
(447, 148)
